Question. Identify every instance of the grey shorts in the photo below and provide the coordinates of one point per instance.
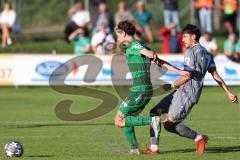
(177, 105)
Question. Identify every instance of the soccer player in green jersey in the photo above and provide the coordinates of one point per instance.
(139, 59)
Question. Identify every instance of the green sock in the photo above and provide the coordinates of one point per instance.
(131, 121)
(131, 138)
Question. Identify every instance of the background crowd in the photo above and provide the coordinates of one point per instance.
(93, 30)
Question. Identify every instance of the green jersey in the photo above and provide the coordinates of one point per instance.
(139, 66)
(79, 44)
(233, 48)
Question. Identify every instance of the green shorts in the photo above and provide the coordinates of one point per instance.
(135, 102)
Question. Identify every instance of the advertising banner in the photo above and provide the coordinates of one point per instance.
(38, 69)
(6, 70)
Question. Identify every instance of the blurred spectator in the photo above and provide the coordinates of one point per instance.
(81, 41)
(138, 35)
(230, 8)
(102, 42)
(172, 40)
(122, 14)
(79, 18)
(144, 20)
(232, 48)
(171, 13)
(105, 17)
(7, 19)
(209, 43)
(196, 11)
(94, 9)
(205, 14)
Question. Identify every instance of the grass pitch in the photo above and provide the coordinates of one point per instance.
(27, 115)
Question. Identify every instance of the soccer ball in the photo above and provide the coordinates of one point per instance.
(13, 149)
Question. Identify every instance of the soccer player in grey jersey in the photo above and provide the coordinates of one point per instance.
(179, 103)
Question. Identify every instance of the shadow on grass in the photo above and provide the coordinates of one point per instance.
(208, 150)
(39, 156)
(57, 125)
(223, 149)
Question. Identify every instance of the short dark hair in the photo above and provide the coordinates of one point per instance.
(192, 29)
(127, 27)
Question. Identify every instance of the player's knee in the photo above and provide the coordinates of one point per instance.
(156, 112)
(153, 112)
(170, 126)
(119, 122)
(116, 121)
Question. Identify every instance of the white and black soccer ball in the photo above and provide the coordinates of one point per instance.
(13, 149)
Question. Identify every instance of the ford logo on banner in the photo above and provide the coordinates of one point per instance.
(230, 71)
(47, 68)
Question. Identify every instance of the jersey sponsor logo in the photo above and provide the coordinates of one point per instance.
(138, 46)
(187, 61)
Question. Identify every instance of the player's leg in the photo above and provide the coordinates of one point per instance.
(131, 107)
(180, 129)
(158, 110)
(140, 102)
(178, 111)
(125, 120)
(184, 131)
(128, 131)
(127, 117)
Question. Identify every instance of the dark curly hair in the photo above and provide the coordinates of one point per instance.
(127, 27)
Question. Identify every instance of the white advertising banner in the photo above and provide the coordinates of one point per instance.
(36, 70)
(227, 69)
(6, 70)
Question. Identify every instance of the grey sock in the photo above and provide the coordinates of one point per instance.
(154, 140)
(184, 131)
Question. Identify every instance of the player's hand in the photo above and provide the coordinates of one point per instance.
(185, 73)
(233, 98)
(167, 87)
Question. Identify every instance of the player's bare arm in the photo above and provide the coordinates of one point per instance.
(163, 63)
(221, 83)
(182, 80)
(73, 35)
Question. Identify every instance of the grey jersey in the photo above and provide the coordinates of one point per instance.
(198, 61)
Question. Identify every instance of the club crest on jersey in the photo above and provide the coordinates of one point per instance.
(187, 61)
(138, 46)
